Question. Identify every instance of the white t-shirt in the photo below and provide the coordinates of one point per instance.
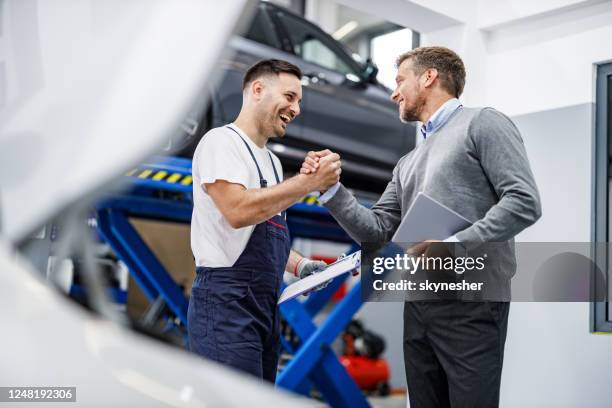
(221, 155)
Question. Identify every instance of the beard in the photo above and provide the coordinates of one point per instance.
(278, 129)
(412, 113)
(266, 124)
(409, 115)
(270, 124)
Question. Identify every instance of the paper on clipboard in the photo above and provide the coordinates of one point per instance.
(341, 266)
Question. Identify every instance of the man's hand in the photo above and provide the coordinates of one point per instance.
(431, 249)
(307, 267)
(311, 162)
(327, 173)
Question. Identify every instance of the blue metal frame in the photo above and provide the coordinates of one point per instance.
(314, 362)
(144, 266)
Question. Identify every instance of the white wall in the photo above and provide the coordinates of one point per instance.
(551, 358)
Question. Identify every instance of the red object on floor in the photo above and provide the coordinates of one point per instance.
(368, 373)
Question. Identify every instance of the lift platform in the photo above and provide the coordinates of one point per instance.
(162, 190)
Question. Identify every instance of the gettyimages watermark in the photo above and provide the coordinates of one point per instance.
(498, 272)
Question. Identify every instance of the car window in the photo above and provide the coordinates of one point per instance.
(261, 30)
(313, 46)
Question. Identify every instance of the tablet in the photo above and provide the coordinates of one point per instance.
(428, 219)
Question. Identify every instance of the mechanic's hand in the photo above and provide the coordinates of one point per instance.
(307, 267)
(327, 173)
(311, 162)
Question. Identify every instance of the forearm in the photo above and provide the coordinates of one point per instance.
(293, 261)
(511, 215)
(258, 205)
(363, 224)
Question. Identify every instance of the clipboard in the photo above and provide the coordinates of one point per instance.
(340, 267)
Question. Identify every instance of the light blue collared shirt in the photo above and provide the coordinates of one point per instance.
(439, 118)
(325, 197)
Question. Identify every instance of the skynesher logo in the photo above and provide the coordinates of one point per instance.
(412, 264)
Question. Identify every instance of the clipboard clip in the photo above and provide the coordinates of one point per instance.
(355, 271)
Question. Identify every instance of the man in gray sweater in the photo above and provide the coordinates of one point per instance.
(472, 160)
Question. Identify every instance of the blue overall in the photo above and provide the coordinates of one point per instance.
(233, 316)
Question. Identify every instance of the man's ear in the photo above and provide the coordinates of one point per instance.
(430, 76)
(256, 88)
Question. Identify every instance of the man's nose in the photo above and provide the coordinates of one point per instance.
(394, 96)
(295, 109)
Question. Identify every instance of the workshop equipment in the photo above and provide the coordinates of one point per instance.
(361, 358)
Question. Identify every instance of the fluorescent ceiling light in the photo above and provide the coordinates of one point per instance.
(345, 29)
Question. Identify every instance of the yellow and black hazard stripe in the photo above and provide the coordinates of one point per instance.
(161, 175)
(186, 180)
(310, 200)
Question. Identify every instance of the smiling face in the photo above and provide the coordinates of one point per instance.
(410, 92)
(278, 103)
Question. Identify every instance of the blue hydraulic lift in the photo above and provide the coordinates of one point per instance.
(162, 190)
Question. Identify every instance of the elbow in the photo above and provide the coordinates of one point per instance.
(535, 208)
(235, 220)
(537, 211)
(236, 224)
(525, 203)
(240, 218)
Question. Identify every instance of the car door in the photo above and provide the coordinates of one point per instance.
(343, 111)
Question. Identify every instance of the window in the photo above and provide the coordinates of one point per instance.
(601, 312)
(314, 46)
(385, 49)
(261, 30)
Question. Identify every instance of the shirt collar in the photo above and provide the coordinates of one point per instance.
(440, 117)
(246, 137)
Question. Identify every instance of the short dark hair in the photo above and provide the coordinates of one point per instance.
(448, 64)
(268, 67)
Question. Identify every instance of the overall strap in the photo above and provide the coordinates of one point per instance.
(283, 213)
(262, 181)
(274, 168)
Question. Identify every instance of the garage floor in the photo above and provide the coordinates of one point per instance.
(394, 401)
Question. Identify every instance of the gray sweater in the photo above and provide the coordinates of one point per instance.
(476, 164)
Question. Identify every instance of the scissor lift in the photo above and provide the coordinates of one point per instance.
(162, 190)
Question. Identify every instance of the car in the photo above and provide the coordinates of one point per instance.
(72, 100)
(344, 107)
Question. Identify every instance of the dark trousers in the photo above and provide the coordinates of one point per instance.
(234, 319)
(454, 352)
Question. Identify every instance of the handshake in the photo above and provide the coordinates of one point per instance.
(321, 170)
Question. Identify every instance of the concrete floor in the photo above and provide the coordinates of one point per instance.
(393, 401)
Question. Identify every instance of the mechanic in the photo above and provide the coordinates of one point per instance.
(239, 235)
